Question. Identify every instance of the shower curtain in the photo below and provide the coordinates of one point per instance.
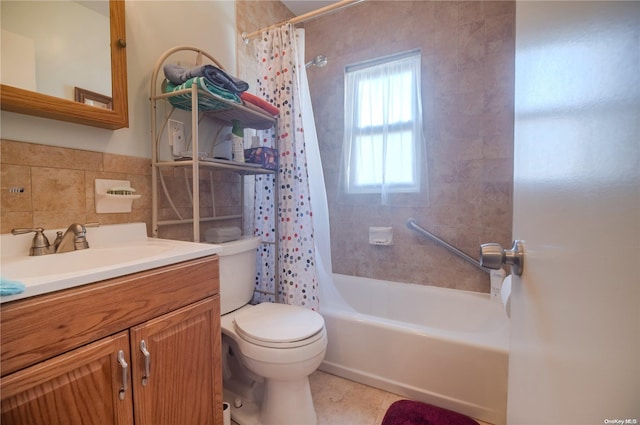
(281, 79)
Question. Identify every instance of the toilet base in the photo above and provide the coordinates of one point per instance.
(288, 403)
(284, 403)
(247, 414)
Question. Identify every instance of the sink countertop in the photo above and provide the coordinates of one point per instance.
(114, 250)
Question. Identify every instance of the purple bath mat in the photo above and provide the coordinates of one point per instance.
(408, 412)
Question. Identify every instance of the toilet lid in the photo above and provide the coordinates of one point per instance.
(278, 323)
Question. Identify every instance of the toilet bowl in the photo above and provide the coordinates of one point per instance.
(269, 350)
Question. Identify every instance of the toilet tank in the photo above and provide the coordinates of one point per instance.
(237, 272)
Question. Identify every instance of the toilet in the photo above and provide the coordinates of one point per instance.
(268, 350)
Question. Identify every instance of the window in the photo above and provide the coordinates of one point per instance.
(383, 143)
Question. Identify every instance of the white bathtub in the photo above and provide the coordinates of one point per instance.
(440, 346)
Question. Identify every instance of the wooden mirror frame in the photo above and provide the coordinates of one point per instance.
(41, 105)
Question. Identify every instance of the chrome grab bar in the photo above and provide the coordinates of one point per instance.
(411, 224)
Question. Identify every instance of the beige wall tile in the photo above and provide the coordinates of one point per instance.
(58, 189)
(14, 220)
(142, 185)
(59, 219)
(16, 177)
(126, 164)
(37, 155)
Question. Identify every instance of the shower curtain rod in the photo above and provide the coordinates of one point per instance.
(305, 17)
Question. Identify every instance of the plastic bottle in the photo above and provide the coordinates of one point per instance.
(237, 141)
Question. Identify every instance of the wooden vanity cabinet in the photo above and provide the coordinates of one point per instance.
(179, 387)
(76, 388)
(71, 371)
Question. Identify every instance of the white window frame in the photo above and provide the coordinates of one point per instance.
(410, 157)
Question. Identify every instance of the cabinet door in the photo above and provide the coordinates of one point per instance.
(179, 380)
(81, 387)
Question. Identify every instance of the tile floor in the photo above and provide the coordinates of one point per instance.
(339, 401)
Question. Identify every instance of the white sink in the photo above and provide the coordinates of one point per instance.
(115, 250)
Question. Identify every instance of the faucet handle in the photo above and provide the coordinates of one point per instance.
(40, 244)
(23, 230)
(58, 240)
(81, 233)
(84, 227)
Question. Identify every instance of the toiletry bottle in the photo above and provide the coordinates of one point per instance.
(237, 141)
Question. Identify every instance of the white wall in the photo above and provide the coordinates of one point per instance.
(20, 70)
(152, 28)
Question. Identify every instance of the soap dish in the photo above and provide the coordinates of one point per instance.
(114, 196)
(122, 191)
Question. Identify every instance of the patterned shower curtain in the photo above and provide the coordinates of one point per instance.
(276, 55)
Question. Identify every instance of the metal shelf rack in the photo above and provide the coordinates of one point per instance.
(249, 117)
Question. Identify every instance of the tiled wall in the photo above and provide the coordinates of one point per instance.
(59, 189)
(467, 95)
(59, 186)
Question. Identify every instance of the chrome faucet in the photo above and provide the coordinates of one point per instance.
(73, 239)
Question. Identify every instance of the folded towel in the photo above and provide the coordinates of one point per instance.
(183, 101)
(178, 75)
(10, 287)
(260, 103)
(224, 80)
(222, 234)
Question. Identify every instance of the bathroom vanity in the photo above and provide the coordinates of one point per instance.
(141, 348)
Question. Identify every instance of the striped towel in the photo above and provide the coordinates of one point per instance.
(10, 287)
(206, 103)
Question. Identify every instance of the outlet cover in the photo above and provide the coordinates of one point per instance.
(176, 137)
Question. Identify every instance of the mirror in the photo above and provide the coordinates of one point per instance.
(96, 98)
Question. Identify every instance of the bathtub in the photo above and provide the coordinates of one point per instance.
(441, 346)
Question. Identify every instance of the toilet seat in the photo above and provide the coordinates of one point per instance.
(279, 325)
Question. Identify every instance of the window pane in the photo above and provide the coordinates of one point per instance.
(370, 111)
(400, 98)
(367, 166)
(385, 99)
(399, 164)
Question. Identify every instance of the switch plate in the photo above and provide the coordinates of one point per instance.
(176, 137)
